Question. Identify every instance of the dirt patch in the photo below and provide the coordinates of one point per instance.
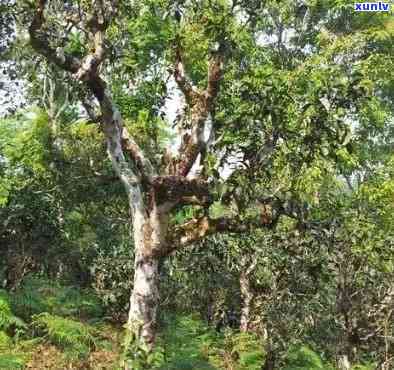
(49, 357)
(103, 360)
(46, 357)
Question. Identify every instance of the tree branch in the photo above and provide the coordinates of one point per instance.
(177, 189)
(144, 165)
(40, 43)
(87, 71)
(201, 104)
(182, 81)
(271, 209)
(199, 228)
(97, 24)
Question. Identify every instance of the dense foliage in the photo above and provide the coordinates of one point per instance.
(287, 208)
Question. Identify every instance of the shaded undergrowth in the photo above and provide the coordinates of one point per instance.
(52, 326)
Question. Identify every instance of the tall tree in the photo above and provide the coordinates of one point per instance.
(286, 100)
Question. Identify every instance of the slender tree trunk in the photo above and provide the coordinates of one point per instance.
(344, 307)
(343, 362)
(269, 363)
(270, 357)
(247, 298)
(247, 294)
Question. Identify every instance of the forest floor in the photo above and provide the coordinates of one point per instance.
(52, 326)
(47, 356)
(48, 325)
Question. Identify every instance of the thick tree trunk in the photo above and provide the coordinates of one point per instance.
(149, 239)
(144, 298)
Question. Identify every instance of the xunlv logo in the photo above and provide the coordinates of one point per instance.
(372, 7)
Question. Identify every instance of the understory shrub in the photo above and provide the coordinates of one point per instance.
(187, 343)
(190, 344)
(11, 327)
(304, 358)
(37, 295)
(9, 361)
(75, 338)
(111, 272)
(5, 340)
(9, 323)
(245, 349)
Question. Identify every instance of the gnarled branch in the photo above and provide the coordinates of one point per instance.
(40, 43)
(201, 104)
(144, 165)
(271, 210)
(184, 84)
(87, 71)
(177, 188)
(97, 25)
(197, 229)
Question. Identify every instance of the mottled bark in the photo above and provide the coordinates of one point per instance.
(343, 362)
(148, 220)
(247, 298)
(201, 105)
(144, 298)
(246, 293)
(150, 233)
